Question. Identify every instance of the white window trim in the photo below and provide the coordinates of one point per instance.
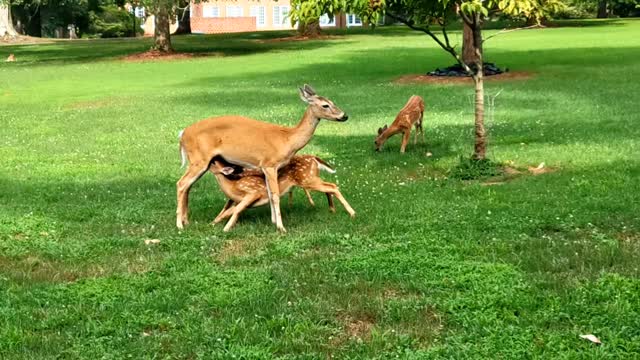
(260, 13)
(213, 11)
(231, 9)
(354, 23)
(139, 11)
(285, 19)
(278, 19)
(325, 21)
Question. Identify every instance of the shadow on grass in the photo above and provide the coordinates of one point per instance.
(105, 49)
(587, 22)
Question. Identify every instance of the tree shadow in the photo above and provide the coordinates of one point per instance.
(109, 49)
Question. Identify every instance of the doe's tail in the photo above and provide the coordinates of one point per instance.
(324, 166)
(183, 152)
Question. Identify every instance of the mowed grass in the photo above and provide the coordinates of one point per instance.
(432, 267)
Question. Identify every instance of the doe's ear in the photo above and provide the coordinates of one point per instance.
(227, 170)
(380, 131)
(304, 96)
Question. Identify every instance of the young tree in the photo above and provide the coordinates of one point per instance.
(421, 15)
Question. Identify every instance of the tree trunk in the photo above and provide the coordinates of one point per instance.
(602, 9)
(6, 24)
(470, 45)
(480, 148)
(184, 19)
(162, 32)
(309, 29)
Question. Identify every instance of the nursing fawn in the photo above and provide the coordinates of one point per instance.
(249, 189)
(410, 115)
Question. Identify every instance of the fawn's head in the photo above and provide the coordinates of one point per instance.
(379, 139)
(218, 167)
(321, 107)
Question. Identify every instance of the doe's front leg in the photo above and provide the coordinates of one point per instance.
(273, 190)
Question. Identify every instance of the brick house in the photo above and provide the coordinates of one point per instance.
(217, 17)
(246, 15)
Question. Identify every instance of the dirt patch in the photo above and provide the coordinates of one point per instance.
(231, 249)
(427, 79)
(354, 328)
(24, 40)
(154, 55)
(35, 269)
(298, 38)
(237, 249)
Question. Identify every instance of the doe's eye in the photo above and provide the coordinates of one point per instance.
(326, 106)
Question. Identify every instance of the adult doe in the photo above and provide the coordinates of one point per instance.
(252, 144)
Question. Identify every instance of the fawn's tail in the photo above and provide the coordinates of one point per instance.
(324, 166)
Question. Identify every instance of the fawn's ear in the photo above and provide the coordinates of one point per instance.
(227, 170)
(380, 131)
(309, 90)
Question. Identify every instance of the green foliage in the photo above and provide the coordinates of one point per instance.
(112, 22)
(470, 169)
(431, 268)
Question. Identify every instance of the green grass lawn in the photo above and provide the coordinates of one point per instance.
(432, 267)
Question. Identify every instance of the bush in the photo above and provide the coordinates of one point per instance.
(112, 22)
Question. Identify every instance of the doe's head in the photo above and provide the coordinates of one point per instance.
(321, 107)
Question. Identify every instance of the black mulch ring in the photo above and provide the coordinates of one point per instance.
(458, 70)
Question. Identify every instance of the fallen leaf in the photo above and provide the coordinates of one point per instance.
(151, 241)
(591, 338)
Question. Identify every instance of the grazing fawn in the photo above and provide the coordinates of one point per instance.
(410, 115)
(248, 189)
(252, 144)
(11, 58)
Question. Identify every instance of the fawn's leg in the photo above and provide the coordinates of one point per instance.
(309, 197)
(273, 190)
(291, 197)
(332, 207)
(405, 140)
(224, 209)
(329, 188)
(246, 201)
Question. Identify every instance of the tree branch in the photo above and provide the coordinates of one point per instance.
(446, 46)
(504, 31)
(426, 30)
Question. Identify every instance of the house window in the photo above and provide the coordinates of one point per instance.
(209, 11)
(259, 13)
(139, 11)
(280, 15)
(326, 21)
(353, 20)
(234, 11)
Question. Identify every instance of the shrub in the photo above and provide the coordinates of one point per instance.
(112, 22)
